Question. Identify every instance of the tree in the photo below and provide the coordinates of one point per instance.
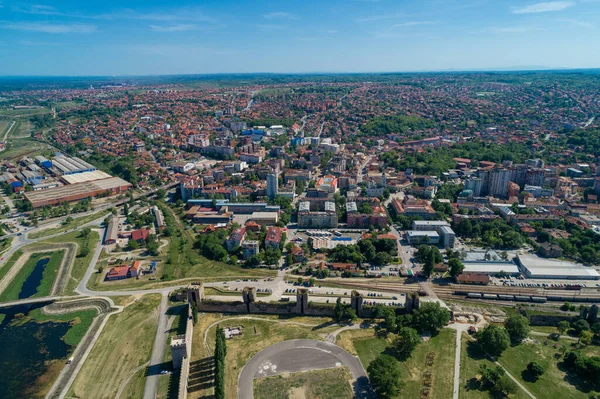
(431, 317)
(535, 370)
(338, 311)
(407, 340)
(456, 267)
(563, 326)
(132, 245)
(384, 375)
(382, 259)
(580, 325)
(585, 338)
(493, 340)
(252, 261)
(517, 327)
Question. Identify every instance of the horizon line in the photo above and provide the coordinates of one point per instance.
(496, 69)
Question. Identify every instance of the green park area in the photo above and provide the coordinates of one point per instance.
(323, 384)
(86, 241)
(431, 365)
(117, 359)
(28, 285)
(69, 224)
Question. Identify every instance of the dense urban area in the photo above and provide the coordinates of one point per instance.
(301, 236)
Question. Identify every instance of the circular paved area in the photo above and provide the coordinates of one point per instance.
(301, 355)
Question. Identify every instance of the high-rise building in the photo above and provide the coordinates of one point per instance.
(272, 185)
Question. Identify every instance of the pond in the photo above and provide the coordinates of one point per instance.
(28, 349)
(30, 286)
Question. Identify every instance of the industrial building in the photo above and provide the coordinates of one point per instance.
(500, 268)
(76, 192)
(536, 267)
(71, 165)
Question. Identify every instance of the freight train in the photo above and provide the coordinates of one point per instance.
(533, 298)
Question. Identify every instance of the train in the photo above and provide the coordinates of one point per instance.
(507, 297)
(532, 298)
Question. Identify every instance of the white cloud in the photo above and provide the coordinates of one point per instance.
(581, 24)
(173, 28)
(279, 15)
(49, 28)
(269, 27)
(549, 6)
(381, 17)
(513, 29)
(413, 23)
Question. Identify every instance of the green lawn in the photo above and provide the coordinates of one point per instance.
(369, 348)
(9, 263)
(414, 368)
(81, 263)
(11, 293)
(75, 223)
(323, 384)
(554, 383)
(183, 261)
(124, 345)
(3, 127)
(471, 358)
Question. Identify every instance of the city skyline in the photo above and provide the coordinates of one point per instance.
(151, 38)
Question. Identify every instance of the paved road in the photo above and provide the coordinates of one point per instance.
(158, 350)
(300, 355)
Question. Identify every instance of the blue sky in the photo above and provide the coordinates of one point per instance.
(127, 37)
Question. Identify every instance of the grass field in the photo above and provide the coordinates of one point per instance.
(183, 261)
(323, 384)
(241, 349)
(16, 148)
(75, 223)
(3, 127)
(471, 358)
(413, 369)
(81, 262)
(124, 345)
(554, 382)
(9, 263)
(11, 293)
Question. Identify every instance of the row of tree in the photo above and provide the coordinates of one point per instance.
(219, 358)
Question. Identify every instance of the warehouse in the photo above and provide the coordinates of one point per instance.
(491, 268)
(536, 267)
(76, 192)
(84, 177)
(70, 165)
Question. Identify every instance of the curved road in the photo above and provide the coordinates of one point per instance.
(301, 355)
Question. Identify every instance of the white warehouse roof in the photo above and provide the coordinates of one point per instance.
(537, 267)
(491, 268)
